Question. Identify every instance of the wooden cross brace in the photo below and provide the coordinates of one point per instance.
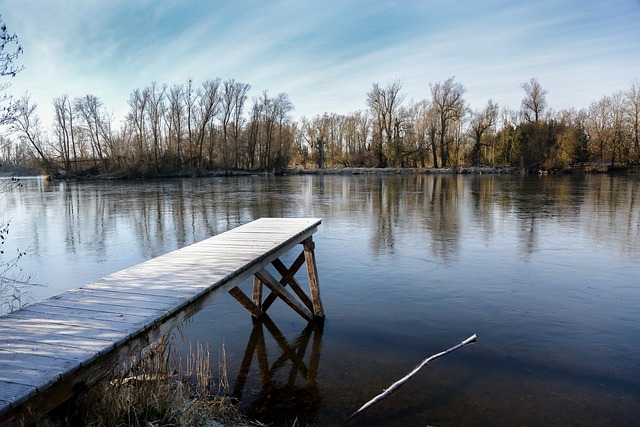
(307, 307)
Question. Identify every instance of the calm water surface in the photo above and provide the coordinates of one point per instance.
(546, 271)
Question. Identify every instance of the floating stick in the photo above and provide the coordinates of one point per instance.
(410, 375)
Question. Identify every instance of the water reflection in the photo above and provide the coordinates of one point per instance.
(129, 222)
(289, 389)
(543, 268)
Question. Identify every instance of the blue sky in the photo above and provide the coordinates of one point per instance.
(326, 54)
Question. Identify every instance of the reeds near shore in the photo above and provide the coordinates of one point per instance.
(156, 389)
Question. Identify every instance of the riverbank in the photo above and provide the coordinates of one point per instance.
(348, 170)
(407, 171)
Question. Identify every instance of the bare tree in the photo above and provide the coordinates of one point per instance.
(432, 125)
(155, 114)
(316, 135)
(26, 124)
(481, 122)
(416, 140)
(190, 102)
(176, 120)
(240, 97)
(114, 147)
(266, 123)
(507, 150)
(599, 126)
(607, 137)
(282, 106)
(137, 109)
(228, 98)
(535, 143)
(351, 139)
(384, 102)
(364, 135)
(632, 97)
(534, 102)
(89, 109)
(253, 133)
(65, 132)
(459, 138)
(569, 141)
(619, 149)
(209, 102)
(233, 97)
(448, 106)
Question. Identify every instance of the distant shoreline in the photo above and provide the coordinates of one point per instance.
(477, 170)
(407, 171)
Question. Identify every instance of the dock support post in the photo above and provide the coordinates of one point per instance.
(312, 271)
(257, 292)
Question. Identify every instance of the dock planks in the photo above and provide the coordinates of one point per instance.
(50, 349)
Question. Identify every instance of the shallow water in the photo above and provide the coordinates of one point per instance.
(544, 269)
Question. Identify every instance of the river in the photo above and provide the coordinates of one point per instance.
(544, 269)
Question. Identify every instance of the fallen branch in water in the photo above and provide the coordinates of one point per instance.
(410, 375)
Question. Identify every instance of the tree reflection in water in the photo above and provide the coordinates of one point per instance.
(289, 390)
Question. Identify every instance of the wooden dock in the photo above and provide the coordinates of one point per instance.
(52, 349)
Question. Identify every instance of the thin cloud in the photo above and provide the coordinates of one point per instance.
(326, 55)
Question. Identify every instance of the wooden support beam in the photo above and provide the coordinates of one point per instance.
(288, 278)
(285, 295)
(270, 299)
(312, 270)
(246, 302)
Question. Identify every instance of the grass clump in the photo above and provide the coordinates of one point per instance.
(155, 390)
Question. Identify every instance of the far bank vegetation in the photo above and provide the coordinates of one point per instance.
(191, 129)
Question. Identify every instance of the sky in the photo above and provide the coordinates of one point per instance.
(326, 54)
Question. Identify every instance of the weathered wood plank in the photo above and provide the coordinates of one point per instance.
(39, 377)
(70, 336)
(149, 292)
(83, 316)
(63, 342)
(107, 308)
(48, 327)
(12, 393)
(123, 298)
(34, 370)
(18, 345)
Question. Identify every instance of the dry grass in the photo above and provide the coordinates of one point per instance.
(156, 390)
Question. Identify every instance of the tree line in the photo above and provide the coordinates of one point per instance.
(168, 129)
(442, 131)
(188, 128)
